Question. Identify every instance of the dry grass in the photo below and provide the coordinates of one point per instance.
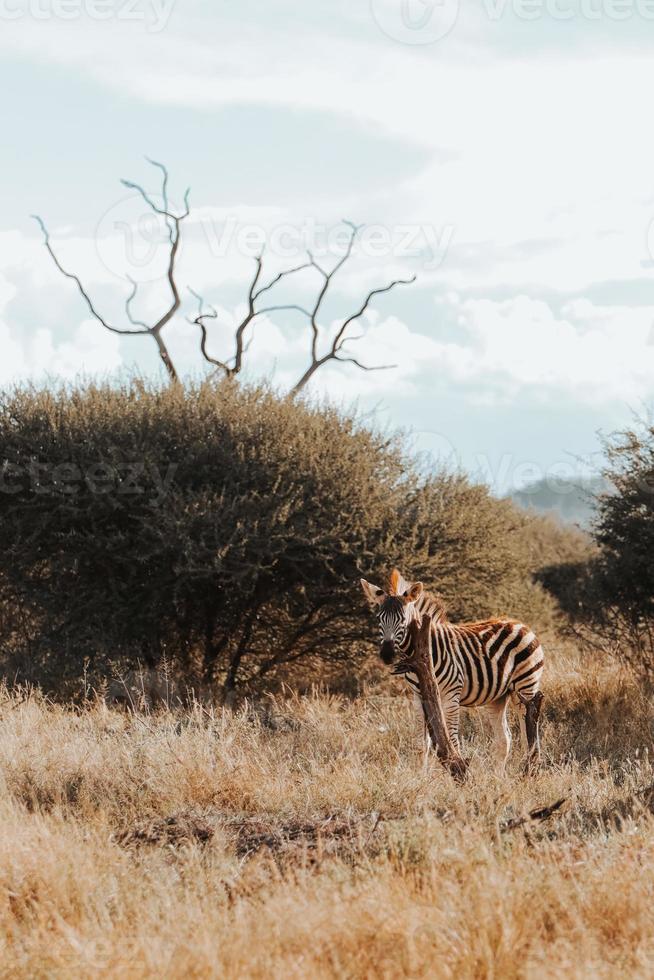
(303, 838)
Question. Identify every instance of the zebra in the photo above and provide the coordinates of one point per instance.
(481, 665)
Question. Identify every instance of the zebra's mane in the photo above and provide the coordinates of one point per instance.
(432, 604)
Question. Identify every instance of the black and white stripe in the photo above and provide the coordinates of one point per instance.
(485, 664)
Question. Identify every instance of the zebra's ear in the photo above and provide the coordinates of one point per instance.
(373, 594)
(397, 584)
(413, 593)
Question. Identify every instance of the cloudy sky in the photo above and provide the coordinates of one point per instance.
(501, 151)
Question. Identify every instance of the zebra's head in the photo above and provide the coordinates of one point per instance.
(395, 610)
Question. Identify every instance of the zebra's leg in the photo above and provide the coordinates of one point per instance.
(529, 710)
(426, 741)
(484, 723)
(496, 714)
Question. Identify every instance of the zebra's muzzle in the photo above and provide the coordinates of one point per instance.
(387, 652)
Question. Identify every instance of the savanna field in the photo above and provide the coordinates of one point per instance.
(326, 433)
(302, 836)
(281, 821)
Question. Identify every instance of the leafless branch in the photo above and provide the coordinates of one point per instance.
(85, 295)
(335, 352)
(128, 307)
(365, 367)
(211, 314)
(341, 337)
(285, 306)
(278, 278)
(256, 291)
(173, 224)
(242, 344)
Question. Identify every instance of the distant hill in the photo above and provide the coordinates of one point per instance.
(571, 500)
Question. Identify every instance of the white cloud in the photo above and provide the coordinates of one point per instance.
(510, 352)
(92, 350)
(387, 341)
(531, 155)
(596, 354)
(541, 165)
(35, 354)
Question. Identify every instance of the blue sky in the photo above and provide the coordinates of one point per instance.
(500, 150)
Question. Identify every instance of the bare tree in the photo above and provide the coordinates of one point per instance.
(335, 350)
(138, 327)
(322, 350)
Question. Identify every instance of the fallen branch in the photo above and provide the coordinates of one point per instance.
(534, 816)
(420, 663)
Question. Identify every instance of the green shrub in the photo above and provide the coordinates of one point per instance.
(224, 529)
(618, 586)
(624, 529)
